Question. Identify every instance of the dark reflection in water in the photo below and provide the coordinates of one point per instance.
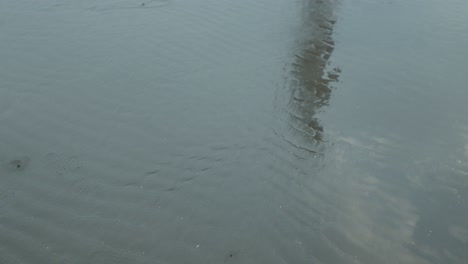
(387, 200)
(309, 77)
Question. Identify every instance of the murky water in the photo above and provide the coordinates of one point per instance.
(177, 131)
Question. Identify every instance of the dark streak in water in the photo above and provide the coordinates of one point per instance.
(309, 81)
(295, 145)
(152, 172)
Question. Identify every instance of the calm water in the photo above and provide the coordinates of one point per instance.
(216, 131)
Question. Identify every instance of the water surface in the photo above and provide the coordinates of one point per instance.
(165, 131)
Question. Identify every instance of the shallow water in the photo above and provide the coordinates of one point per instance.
(165, 131)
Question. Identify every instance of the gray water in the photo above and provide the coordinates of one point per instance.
(216, 131)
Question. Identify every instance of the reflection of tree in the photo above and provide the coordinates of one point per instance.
(310, 83)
